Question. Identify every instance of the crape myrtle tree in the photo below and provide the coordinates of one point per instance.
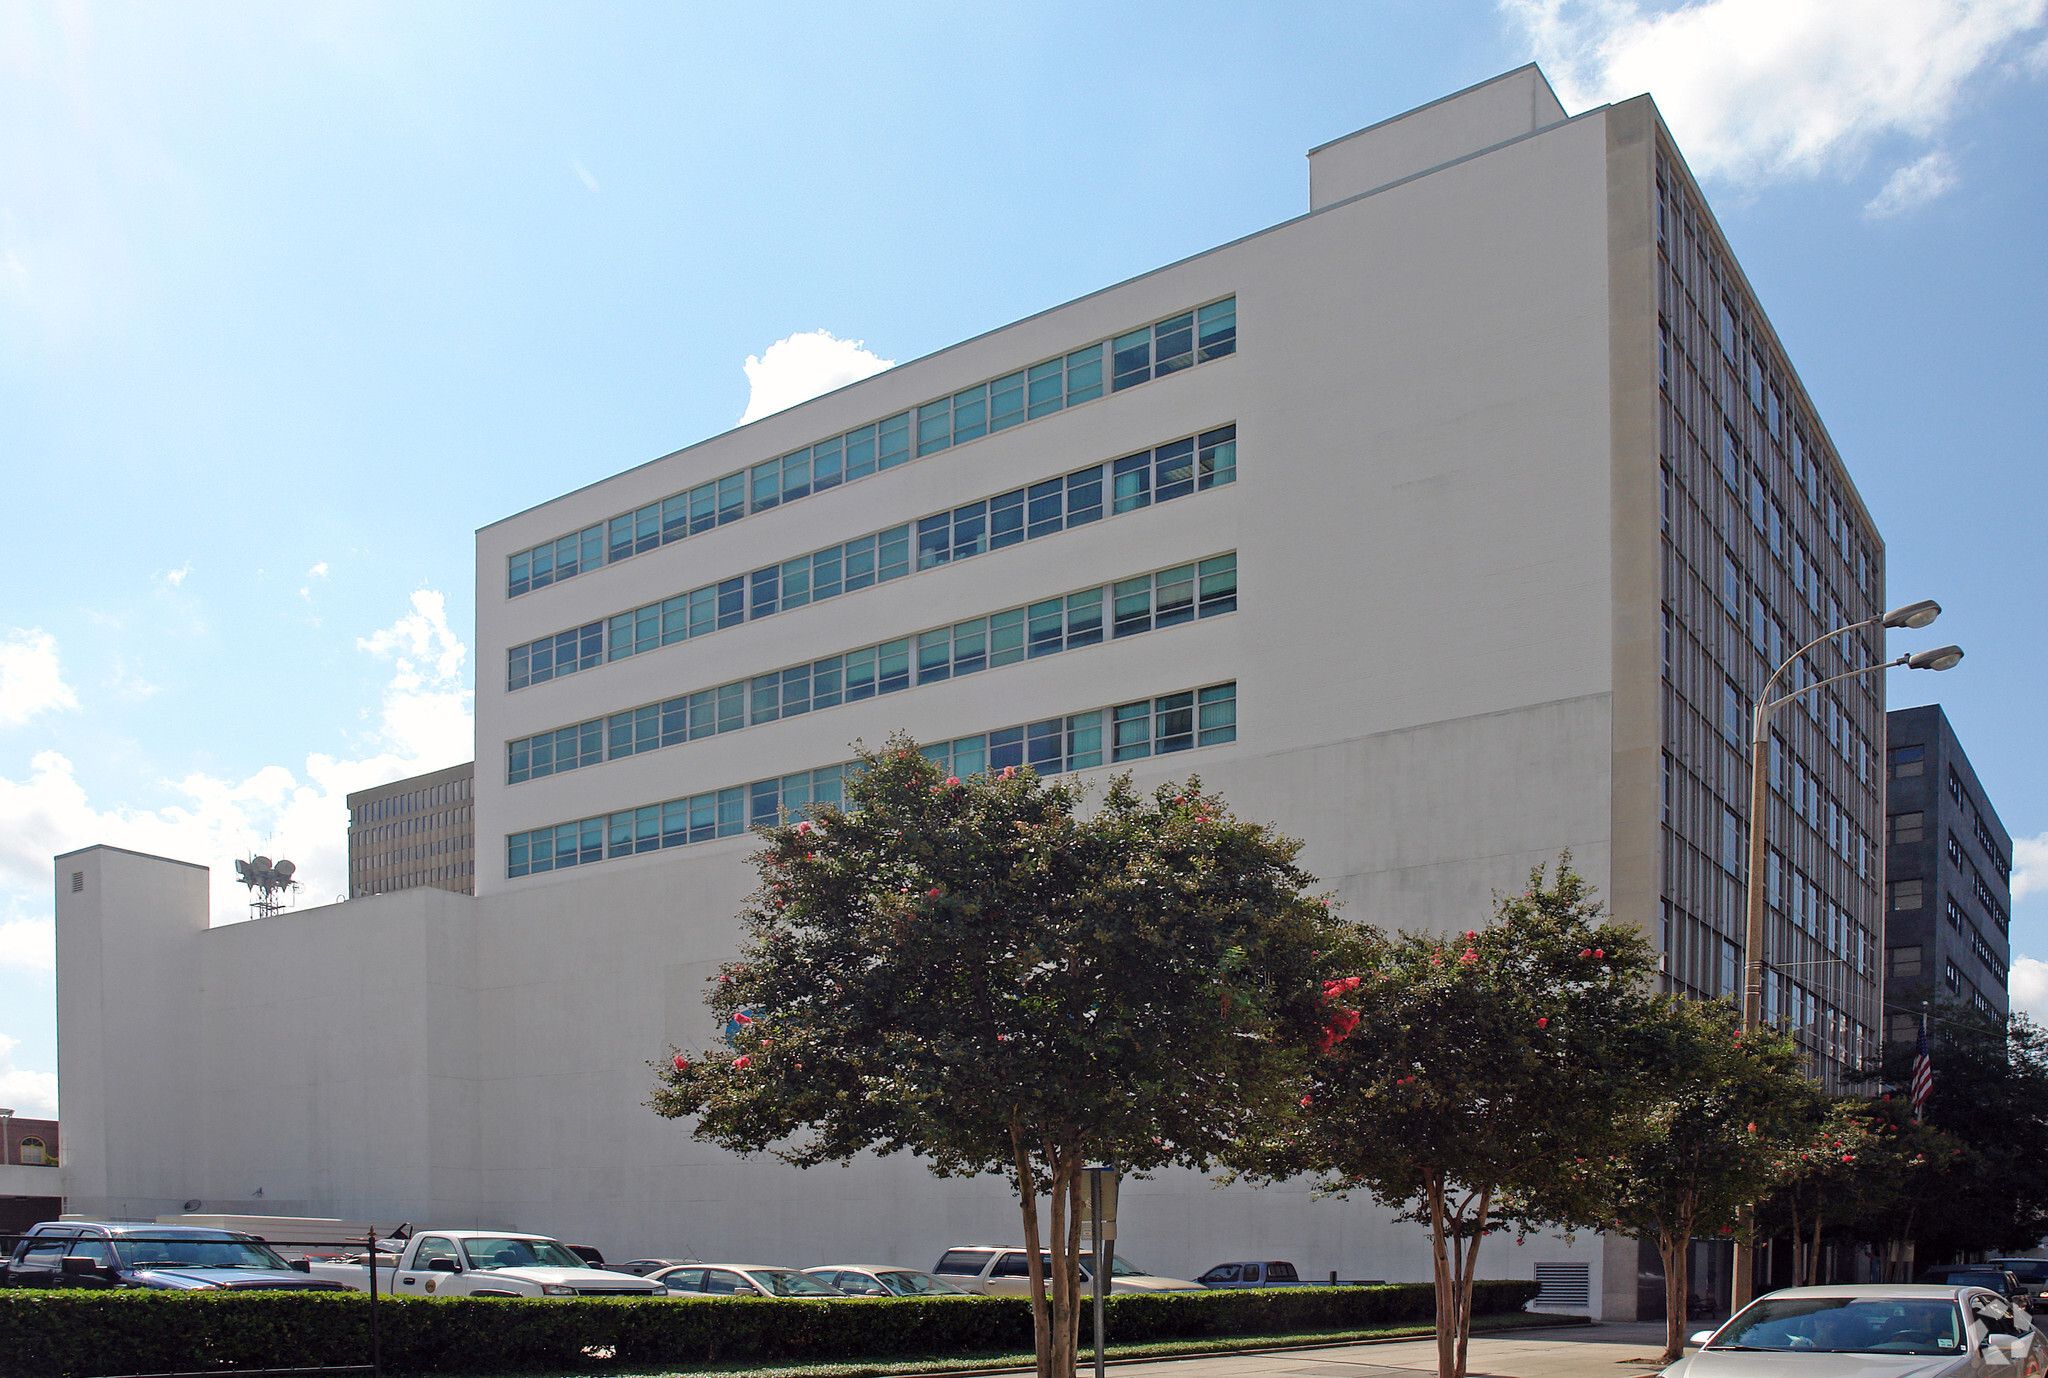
(1902, 1177)
(1496, 1061)
(979, 973)
(1824, 1181)
(1717, 1113)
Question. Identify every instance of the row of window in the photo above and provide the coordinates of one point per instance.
(426, 797)
(1190, 464)
(1163, 598)
(1168, 346)
(1172, 722)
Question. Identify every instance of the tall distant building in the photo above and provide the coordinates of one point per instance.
(1948, 877)
(1449, 525)
(418, 831)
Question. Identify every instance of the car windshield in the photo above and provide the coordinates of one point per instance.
(486, 1254)
(168, 1251)
(2028, 1269)
(1847, 1325)
(918, 1285)
(781, 1282)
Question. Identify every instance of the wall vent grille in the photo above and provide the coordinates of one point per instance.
(1564, 1284)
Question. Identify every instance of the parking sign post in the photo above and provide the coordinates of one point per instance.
(1099, 1220)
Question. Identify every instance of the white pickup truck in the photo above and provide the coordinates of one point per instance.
(486, 1263)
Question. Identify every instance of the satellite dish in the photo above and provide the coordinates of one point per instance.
(285, 868)
(261, 863)
(242, 868)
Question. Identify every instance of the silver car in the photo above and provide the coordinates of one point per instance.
(691, 1280)
(885, 1280)
(1873, 1331)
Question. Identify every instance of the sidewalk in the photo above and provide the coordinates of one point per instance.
(1595, 1351)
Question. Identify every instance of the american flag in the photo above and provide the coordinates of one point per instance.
(1923, 1072)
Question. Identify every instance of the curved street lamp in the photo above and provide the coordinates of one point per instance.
(1912, 617)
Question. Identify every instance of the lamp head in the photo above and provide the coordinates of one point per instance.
(1940, 658)
(1913, 616)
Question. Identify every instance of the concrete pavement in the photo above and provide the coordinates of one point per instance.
(1622, 1350)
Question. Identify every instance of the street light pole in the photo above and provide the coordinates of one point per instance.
(1913, 617)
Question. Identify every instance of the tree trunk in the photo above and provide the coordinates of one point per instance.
(1813, 1258)
(1027, 1194)
(1674, 1245)
(1446, 1292)
(1471, 1271)
(1063, 1317)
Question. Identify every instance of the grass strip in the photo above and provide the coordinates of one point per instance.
(1000, 1361)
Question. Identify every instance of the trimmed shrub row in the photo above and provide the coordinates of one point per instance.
(86, 1334)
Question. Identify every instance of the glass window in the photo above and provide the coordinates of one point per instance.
(1046, 387)
(859, 452)
(1133, 725)
(934, 426)
(1132, 357)
(1084, 375)
(826, 461)
(1006, 520)
(1131, 482)
(1173, 345)
(893, 443)
(1216, 462)
(970, 414)
(1219, 584)
(1217, 717)
(970, 530)
(934, 540)
(1045, 508)
(767, 485)
(1047, 627)
(1084, 496)
(1173, 727)
(1216, 329)
(1006, 402)
(1173, 470)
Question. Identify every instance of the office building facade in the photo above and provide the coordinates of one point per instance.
(416, 831)
(1948, 877)
(1447, 526)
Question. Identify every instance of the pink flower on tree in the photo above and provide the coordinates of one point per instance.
(742, 1063)
(681, 1066)
(934, 892)
(1543, 1023)
(952, 782)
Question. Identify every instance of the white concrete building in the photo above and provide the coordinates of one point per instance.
(1443, 525)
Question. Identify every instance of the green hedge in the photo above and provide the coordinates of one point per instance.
(84, 1334)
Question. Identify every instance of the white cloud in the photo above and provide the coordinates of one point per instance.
(29, 945)
(177, 576)
(30, 680)
(804, 366)
(2029, 865)
(30, 1094)
(1762, 89)
(2027, 985)
(318, 571)
(423, 723)
(584, 173)
(1912, 186)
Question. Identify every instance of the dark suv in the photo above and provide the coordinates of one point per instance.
(1261, 1274)
(166, 1258)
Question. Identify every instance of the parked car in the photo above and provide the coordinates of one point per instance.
(741, 1280)
(1892, 1331)
(642, 1267)
(1001, 1272)
(1226, 1275)
(162, 1258)
(886, 1280)
(487, 1263)
(1999, 1280)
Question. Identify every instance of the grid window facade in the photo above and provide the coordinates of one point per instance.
(1205, 717)
(414, 833)
(1762, 551)
(1165, 598)
(1199, 336)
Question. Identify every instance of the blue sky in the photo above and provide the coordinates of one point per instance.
(293, 298)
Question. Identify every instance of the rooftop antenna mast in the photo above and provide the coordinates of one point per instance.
(268, 883)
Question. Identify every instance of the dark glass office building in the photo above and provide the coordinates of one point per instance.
(1948, 876)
